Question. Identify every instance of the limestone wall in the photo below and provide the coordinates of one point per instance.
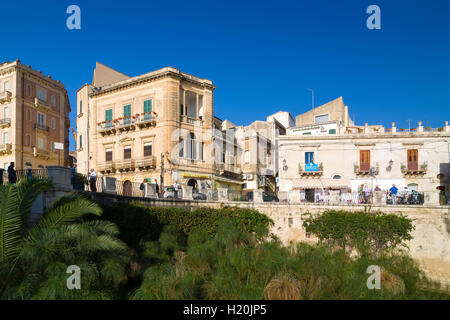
(431, 238)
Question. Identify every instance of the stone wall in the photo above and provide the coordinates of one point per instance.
(430, 245)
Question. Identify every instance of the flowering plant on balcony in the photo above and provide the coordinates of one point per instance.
(401, 129)
(413, 129)
(387, 129)
(137, 115)
(428, 128)
(440, 129)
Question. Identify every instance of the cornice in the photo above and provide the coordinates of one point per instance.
(137, 81)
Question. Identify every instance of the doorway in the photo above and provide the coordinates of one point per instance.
(127, 189)
(309, 195)
(192, 183)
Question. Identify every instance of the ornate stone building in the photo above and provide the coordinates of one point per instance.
(34, 114)
(326, 151)
(156, 126)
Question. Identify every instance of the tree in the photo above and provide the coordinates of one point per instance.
(34, 258)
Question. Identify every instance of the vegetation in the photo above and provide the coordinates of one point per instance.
(367, 232)
(235, 265)
(134, 252)
(34, 258)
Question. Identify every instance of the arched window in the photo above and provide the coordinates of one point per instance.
(337, 177)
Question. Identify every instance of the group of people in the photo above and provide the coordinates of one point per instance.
(12, 174)
(365, 193)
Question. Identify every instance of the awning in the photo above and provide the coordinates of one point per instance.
(320, 183)
(194, 175)
(216, 178)
(306, 184)
(336, 183)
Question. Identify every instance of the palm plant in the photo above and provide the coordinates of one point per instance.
(34, 258)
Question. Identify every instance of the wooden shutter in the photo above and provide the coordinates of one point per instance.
(364, 157)
(413, 159)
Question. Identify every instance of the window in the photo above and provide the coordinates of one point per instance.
(5, 138)
(306, 133)
(28, 165)
(108, 118)
(41, 119)
(191, 148)
(322, 119)
(52, 145)
(127, 114)
(41, 143)
(80, 146)
(191, 104)
(247, 156)
(41, 94)
(147, 149)
(200, 151)
(28, 90)
(147, 109)
(53, 123)
(6, 113)
(364, 157)
(29, 115)
(81, 108)
(6, 87)
(28, 141)
(181, 103)
(413, 156)
(127, 153)
(332, 131)
(200, 107)
(181, 150)
(108, 155)
(337, 177)
(309, 157)
(53, 101)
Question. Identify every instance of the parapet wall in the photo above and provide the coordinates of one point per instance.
(431, 238)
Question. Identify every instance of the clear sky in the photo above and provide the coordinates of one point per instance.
(261, 55)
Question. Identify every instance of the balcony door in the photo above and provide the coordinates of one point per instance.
(147, 109)
(108, 118)
(364, 160)
(127, 114)
(413, 156)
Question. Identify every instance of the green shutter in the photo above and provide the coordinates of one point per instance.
(108, 115)
(127, 111)
(147, 108)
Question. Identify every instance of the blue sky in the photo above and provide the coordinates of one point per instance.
(261, 55)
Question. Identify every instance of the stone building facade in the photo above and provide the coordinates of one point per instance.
(34, 114)
(334, 154)
(156, 126)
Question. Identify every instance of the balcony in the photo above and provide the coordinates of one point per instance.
(41, 104)
(125, 165)
(146, 120)
(366, 170)
(41, 153)
(310, 169)
(106, 128)
(5, 96)
(412, 169)
(125, 124)
(41, 128)
(5, 123)
(227, 169)
(5, 149)
(192, 121)
(146, 163)
(107, 167)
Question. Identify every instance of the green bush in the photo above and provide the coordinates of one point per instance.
(138, 222)
(364, 231)
(236, 265)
